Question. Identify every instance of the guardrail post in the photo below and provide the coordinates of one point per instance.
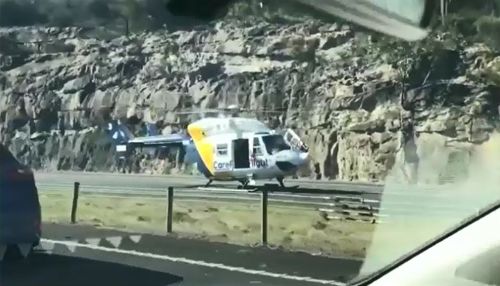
(170, 206)
(263, 204)
(74, 206)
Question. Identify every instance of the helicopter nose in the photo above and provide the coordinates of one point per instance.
(289, 160)
(303, 156)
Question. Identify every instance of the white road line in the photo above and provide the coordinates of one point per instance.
(115, 240)
(135, 238)
(73, 245)
(93, 241)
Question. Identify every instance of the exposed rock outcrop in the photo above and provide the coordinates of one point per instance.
(360, 101)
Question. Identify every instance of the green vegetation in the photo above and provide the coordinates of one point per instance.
(488, 27)
(292, 228)
(238, 223)
(100, 9)
(138, 14)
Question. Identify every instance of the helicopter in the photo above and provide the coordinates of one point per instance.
(224, 148)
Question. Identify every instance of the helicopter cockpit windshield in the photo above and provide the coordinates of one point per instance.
(275, 143)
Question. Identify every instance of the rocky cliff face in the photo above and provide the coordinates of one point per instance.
(363, 103)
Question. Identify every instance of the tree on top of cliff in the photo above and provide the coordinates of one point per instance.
(20, 13)
(100, 9)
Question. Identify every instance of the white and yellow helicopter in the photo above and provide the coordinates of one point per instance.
(226, 148)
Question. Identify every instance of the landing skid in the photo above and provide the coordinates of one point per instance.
(251, 189)
(281, 181)
(247, 184)
(208, 183)
(282, 184)
(274, 187)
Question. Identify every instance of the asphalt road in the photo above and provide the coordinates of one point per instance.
(312, 194)
(82, 255)
(397, 201)
(139, 181)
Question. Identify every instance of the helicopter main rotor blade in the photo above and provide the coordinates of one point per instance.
(384, 16)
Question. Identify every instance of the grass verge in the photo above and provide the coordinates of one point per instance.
(239, 223)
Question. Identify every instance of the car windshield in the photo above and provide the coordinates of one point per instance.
(398, 103)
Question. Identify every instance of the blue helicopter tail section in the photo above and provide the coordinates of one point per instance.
(192, 155)
(179, 140)
(118, 132)
(121, 135)
(125, 142)
(151, 129)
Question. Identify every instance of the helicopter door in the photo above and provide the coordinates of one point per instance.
(241, 154)
(294, 141)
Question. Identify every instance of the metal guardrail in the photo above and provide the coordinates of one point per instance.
(330, 204)
(345, 207)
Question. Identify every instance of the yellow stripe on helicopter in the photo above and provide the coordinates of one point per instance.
(203, 146)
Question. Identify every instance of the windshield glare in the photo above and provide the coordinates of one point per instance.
(459, 196)
(401, 128)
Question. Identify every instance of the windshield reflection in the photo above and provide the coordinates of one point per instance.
(413, 214)
(275, 143)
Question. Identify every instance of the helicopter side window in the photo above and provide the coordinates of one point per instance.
(222, 149)
(275, 143)
(257, 149)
